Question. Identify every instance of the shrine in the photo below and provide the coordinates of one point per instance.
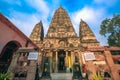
(62, 45)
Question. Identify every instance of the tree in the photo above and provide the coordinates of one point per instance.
(111, 29)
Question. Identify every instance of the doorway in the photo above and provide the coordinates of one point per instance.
(61, 61)
(6, 55)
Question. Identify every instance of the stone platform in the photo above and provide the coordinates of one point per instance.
(61, 76)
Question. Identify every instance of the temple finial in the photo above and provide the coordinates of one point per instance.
(81, 19)
(60, 5)
(40, 21)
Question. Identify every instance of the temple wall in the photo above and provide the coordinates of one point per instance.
(8, 34)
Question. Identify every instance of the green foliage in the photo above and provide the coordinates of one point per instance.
(97, 77)
(5, 76)
(111, 28)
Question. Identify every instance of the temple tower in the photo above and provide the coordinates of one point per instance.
(61, 38)
(37, 34)
(87, 37)
(61, 26)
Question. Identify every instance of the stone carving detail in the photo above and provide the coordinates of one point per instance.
(47, 44)
(62, 43)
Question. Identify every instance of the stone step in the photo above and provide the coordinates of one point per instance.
(61, 76)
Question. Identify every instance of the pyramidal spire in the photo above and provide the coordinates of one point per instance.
(61, 25)
(37, 33)
(86, 34)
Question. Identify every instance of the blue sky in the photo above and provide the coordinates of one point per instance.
(26, 13)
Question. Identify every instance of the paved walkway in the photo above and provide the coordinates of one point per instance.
(61, 76)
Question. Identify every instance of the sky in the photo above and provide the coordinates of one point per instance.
(25, 14)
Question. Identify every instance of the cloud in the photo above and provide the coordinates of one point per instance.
(17, 2)
(101, 39)
(41, 6)
(24, 22)
(92, 16)
(105, 2)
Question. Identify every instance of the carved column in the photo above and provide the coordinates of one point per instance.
(71, 58)
(13, 63)
(56, 69)
(111, 64)
(80, 57)
(83, 59)
(31, 70)
(66, 61)
(50, 62)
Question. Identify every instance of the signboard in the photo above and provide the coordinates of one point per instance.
(33, 56)
(89, 56)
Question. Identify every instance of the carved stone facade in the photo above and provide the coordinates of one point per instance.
(62, 40)
(63, 46)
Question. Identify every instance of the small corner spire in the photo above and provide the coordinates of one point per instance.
(81, 20)
(40, 21)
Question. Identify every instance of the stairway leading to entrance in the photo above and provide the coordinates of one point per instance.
(61, 76)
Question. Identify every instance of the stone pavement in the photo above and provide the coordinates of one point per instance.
(61, 76)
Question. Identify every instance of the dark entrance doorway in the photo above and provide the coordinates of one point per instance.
(6, 55)
(61, 61)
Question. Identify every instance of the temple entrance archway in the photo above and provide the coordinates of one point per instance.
(6, 55)
(61, 61)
